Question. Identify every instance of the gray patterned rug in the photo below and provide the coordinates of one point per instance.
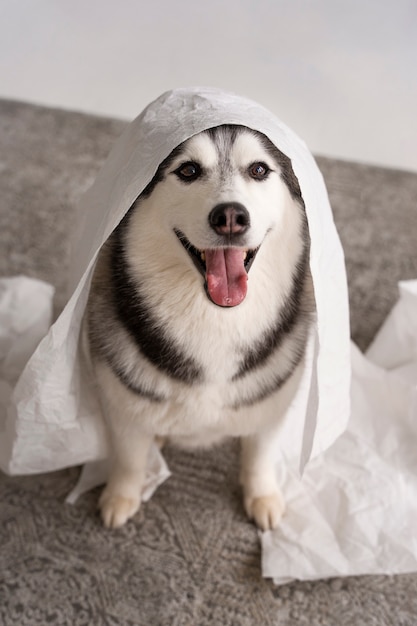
(190, 558)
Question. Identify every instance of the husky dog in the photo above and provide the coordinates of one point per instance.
(199, 313)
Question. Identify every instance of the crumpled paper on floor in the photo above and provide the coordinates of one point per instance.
(25, 318)
(26, 307)
(354, 511)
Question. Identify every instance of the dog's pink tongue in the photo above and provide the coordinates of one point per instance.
(226, 276)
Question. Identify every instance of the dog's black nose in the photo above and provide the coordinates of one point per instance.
(229, 218)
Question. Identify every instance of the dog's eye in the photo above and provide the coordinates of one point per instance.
(258, 171)
(188, 171)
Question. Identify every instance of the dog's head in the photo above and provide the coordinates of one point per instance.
(220, 194)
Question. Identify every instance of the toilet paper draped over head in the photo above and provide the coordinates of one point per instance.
(53, 418)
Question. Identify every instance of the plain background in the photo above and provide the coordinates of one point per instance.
(341, 73)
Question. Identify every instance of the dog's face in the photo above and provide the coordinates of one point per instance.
(220, 194)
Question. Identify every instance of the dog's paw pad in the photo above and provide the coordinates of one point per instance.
(266, 511)
(116, 509)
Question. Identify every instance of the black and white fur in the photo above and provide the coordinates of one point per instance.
(169, 363)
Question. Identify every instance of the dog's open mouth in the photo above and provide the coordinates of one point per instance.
(225, 270)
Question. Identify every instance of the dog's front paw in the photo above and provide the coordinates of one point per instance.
(116, 509)
(266, 511)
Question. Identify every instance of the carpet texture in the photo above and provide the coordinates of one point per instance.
(190, 557)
